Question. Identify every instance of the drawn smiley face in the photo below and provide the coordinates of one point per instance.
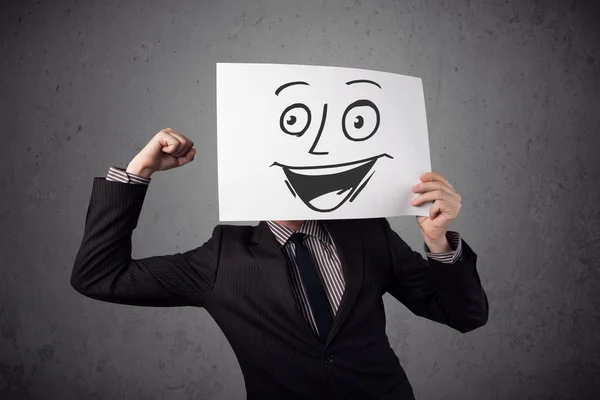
(326, 187)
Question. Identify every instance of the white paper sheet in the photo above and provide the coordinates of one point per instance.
(302, 142)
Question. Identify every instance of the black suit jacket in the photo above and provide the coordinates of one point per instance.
(240, 276)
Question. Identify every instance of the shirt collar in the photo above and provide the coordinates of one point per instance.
(312, 228)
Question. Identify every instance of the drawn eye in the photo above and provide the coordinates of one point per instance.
(295, 119)
(360, 120)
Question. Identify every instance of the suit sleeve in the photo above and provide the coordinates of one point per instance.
(104, 270)
(117, 174)
(450, 294)
(449, 257)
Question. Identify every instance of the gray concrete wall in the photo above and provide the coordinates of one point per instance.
(512, 101)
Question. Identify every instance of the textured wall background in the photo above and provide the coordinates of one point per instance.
(512, 99)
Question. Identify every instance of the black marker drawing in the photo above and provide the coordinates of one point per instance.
(358, 134)
(288, 122)
(280, 88)
(312, 183)
(363, 81)
(312, 148)
(326, 187)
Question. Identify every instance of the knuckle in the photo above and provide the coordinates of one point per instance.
(161, 136)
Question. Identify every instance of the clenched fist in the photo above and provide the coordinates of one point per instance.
(166, 150)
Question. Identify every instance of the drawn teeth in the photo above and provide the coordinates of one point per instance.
(327, 170)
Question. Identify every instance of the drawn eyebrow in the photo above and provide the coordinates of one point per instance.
(280, 88)
(363, 81)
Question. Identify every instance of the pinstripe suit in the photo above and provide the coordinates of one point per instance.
(240, 277)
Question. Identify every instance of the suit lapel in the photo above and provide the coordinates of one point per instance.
(348, 243)
(274, 264)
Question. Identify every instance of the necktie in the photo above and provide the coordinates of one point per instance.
(314, 289)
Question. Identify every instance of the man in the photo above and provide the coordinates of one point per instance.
(300, 302)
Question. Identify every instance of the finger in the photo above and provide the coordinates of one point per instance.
(186, 144)
(434, 210)
(178, 142)
(169, 143)
(431, 196)
(173, 132)
(433, 185)
(449, 209)
(188, 157)
(432, 176)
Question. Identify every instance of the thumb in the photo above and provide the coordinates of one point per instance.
(166, 143)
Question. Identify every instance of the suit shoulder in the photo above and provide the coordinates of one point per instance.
(235, 233)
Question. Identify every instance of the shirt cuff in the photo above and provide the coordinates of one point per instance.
(117, 174)
(449, 257)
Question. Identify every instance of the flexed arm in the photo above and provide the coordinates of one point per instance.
(104, 269)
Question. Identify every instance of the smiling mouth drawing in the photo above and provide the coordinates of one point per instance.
(325, 188)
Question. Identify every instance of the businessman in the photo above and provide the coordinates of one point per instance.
(300, 302)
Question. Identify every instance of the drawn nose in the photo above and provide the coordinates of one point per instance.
(314, 145)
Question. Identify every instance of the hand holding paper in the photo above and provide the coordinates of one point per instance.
(445, 208)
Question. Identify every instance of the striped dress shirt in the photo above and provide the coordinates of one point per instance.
(321, 247)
